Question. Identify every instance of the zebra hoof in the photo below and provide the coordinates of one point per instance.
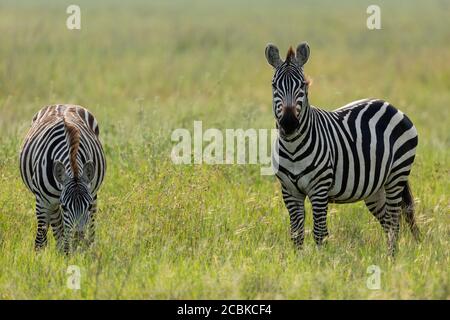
(39, 248)
(322, 241)
(298, 243)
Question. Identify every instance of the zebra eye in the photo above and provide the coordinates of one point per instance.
(301, 94)
(63, 207)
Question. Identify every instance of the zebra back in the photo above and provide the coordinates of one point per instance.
(73, 134)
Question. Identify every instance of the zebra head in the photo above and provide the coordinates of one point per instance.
(76, 199)
(289, 86)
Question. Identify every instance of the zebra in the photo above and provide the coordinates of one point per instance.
(63, 164)
(361, 151)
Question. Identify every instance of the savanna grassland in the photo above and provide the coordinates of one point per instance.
(218, 231)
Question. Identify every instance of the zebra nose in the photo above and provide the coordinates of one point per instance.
(290, 110)
(289, 121)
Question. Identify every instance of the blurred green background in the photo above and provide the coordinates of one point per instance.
(145, 68)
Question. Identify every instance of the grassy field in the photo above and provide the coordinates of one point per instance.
(218, 231)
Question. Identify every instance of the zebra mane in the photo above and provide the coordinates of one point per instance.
(73, 135)
(308, 80)
(290, 56)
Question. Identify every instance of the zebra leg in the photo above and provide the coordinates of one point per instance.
(42, 215)
(56, 222)
(393, 211)
(408, 211)
(320, 207)
(376, 204)
(296, 208)
(91, 227)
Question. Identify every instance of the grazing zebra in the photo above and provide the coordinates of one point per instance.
(63, 164)
(362, 151)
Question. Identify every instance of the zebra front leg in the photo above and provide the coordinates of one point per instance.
(42, 215)
(296, 208)
(320, 206)
(91, 227)
(56, 222)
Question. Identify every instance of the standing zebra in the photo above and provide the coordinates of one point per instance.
(63, 164)
(362, 151)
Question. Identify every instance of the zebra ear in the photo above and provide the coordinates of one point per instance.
(59, 172)
(88, 171)
(302, 53)
(273, 56)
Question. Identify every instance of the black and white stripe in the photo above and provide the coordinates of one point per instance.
(63, 164)
(362, 151)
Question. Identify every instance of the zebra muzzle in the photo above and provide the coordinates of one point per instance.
(78, 235)
(289, 121)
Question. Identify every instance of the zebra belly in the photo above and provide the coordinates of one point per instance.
(358, 182)
(347, 198)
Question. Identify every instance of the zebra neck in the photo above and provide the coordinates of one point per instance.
(305, 119)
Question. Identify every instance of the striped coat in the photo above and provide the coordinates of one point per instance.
(362, 151)
(62, 163)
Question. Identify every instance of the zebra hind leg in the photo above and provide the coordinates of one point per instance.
(408, 212)
(377, 206)
(393, 211)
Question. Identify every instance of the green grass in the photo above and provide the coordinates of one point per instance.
(202, 231)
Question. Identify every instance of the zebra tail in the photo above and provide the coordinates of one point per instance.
(408, 211)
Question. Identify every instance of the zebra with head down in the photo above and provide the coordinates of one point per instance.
(362, 151)
(62, 163)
